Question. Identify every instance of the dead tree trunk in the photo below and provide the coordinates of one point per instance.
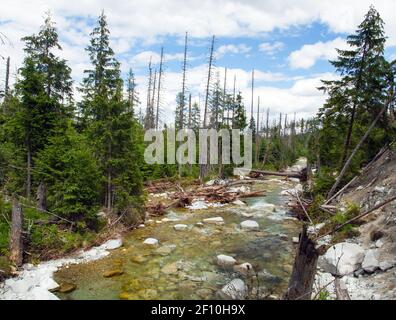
(41, 197)
(304, 269)
(348, 162)
(204, 166)
(16, 240)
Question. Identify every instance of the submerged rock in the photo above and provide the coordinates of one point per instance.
(67, 287)
(215, 220)
(224, 261)
(250, 225)
(170, 268)
(138, 259)
(113, 273)
(235, 289)
(165, 250)
(342, 259)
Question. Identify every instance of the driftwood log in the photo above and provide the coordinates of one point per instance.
(16, 240)
(304, 269)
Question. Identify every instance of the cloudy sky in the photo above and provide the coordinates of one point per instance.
(287, 42)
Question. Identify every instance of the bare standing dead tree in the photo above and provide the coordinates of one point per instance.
(203, 167)
(159, 88)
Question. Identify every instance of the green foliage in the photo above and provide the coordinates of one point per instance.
(324, 295)
(364, 88)
(69, 170)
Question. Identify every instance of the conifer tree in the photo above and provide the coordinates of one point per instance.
(44, 90)
(112, 130)
(356, 98)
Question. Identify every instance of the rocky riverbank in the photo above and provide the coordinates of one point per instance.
(37, 282)
(366, 265)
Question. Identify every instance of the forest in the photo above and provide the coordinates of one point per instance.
(70, 164)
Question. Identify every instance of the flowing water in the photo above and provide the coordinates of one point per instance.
(183, 265)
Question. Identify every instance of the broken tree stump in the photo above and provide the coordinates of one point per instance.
(41, 197)
(304, 269)
(16, 240)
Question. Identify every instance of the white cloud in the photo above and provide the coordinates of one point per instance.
(309, 54)
(271, 48)
(233, 49)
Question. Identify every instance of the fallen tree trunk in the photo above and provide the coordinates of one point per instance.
(297, 175)
(16, 240)
(304, 269)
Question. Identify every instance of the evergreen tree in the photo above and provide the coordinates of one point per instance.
(181, 120)
(44, 89)
(195, 117)
(133, 98)
(216, 105)
(239, 120)
(114, 133)
(358, 96)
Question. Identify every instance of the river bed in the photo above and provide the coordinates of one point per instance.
(183, 264)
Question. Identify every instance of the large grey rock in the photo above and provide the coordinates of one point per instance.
(370, 262)
(250, 225)
(224, 261)
(342, 259)
(235, 289)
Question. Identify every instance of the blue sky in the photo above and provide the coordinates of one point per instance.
(287, 42)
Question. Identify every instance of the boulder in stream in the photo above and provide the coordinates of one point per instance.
(151, 242)
(250, 225)
(180, 227)
(112, 244)
(224, 260)
(235, 289)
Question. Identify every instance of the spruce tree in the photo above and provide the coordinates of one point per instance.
(360, 93)
(44, 89)
(239, 120)
(114, 133)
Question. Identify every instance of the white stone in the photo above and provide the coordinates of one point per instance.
(141, 226)
(244, 268)
(379, 243)
(180, 227)
(170, 219)
(370, 262)
(239, 203)
(151, 242)
(236, 289)
(214, 220)
(223, 260)
(342, 259)
(295, 240)
(386, 265)
(359, 188)
(112, 244)
(250, 225)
